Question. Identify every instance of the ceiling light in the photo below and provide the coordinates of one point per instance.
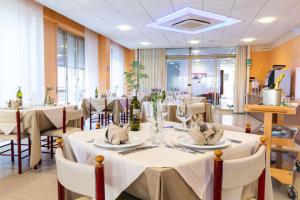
(194, 41)
(266, 20)
(197, 60)
(145, 43)
(171, 63)
(248, 39)
(196, 51)
(124, 27)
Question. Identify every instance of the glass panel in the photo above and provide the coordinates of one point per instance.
(60, 49)
(177, 75)
(71, 51)
(61, 84)
(205, 79)
(80, 47)
(227, 67)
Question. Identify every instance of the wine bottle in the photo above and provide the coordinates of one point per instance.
(96, 92)
(19, 94)
(135, 113)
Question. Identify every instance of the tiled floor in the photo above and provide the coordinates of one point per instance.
(41, 184)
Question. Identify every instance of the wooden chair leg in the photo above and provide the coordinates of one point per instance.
(60, 191)
(12, 151)
(29, 146)
(19, 157)
(112, 119)
(102, 117)
(90, 122)
(48, 142)
(51, 147)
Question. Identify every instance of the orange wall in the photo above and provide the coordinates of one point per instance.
(287, 54)
(260, 65)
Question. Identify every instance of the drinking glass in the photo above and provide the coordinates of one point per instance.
(108, 93)
(183, 113)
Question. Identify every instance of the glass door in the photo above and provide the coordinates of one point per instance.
(205, 79)
(177, 75)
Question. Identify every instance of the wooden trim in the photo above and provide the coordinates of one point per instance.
(127, 110)
(81, 123)
(284, 176)
(64, 120)
(99, 172)
(60, 191)
(18, 118)
(261, 186)
(218, 175)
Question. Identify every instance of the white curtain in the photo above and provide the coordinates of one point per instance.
(154, 61)
(240, 81)
(91, 63)
(117, 67)
(21, 51)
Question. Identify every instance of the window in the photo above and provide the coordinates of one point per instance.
(70, 68)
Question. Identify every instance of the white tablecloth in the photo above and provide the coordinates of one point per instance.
(121, 171)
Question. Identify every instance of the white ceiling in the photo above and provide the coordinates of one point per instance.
(103, 16)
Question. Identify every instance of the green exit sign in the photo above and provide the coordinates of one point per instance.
(135, 63)
(249, 62)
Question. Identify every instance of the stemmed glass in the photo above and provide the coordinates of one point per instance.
(183, 113)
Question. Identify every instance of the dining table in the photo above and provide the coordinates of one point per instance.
(34, 120)
(162, 171)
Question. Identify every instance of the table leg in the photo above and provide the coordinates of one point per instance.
(268, 134)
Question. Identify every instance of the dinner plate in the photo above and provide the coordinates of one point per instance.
(188, 142)
(133, 142)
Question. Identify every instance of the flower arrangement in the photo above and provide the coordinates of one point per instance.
(48, 100)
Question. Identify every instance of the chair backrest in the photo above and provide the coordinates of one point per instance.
(8, 116)
(9, 120)
(80, 178)
(230, 176)
(198, 99)
(74, 114)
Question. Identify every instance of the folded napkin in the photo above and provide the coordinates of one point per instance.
(117, 135)
(203, 135)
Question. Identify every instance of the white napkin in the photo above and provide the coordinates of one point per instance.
(117, 135)
(202, 134)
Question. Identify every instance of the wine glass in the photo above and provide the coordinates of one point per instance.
(108, 93)
(183, 113)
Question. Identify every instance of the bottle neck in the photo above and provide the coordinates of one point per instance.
(134, 93)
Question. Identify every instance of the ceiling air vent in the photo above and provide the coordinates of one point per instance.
(190, 24)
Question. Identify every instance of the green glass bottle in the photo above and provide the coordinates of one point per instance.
(96, 92)
(19, 94)
(135, 113)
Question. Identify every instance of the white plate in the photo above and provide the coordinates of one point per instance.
(133, 142)
(188, 141)
(179, 127)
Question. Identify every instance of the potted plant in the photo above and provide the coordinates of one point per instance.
(134, 75)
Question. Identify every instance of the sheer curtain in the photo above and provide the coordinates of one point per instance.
(91, 63)
(154, 61)
(21, 51)
(117, 65)
(240, 81)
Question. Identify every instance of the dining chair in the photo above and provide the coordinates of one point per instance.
(231, 175)
(17, 136)
(73, 116)
(125, 113)
(88, 181)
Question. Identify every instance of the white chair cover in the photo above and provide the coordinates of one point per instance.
(227, 127)
(241, 172)
(75, 177)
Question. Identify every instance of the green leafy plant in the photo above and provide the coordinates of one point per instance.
(134, 75)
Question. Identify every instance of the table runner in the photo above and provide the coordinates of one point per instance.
(187, 165)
